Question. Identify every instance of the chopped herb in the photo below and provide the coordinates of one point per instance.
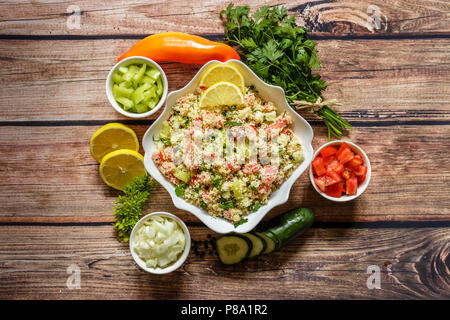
(203, 204)
(281, 53)
(180, 189)
(217, 182)
(255, 206)
(232, 123)
(226, 204)
(242, 221)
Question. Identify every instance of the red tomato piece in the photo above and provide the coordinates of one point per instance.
(320, 183)
(355, 162)
(319, 166)
(335, 166)
(335, 190)
(335, 176)
(360, 171)
(342, 147)
(362, 178)
(328, 151)
(345, 156)
(328, 160)
(351, 185)
(347, 174)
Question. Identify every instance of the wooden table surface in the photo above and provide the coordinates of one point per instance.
(56, 212)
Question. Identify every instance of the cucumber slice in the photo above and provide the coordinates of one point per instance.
(233, 249)
(270, 244)
(182, 174)
(272, 237)
(258, 244)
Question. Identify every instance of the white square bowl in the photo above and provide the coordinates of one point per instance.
(269, 93)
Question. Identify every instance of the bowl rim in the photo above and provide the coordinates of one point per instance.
(360, 188)
(177, 263)
(113, 101)
(277, 200)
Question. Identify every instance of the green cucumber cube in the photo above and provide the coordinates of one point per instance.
(153, 73)
(160, 88)
(119, 91)
(152, 103)
(123, 69)
(138, 76)
(182, 174)
(147, 79)
(117, 78)
(126, 103)
(141, 108)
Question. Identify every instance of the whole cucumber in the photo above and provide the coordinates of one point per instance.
(290, 224)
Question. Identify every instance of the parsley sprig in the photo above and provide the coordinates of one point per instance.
(129, 206)
(281, 53)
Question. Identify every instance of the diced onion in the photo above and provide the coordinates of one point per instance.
(159, 241)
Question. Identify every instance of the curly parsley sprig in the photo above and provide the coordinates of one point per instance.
(130, 205)
(281, 53)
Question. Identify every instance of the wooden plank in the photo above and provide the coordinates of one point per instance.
(321, 264)
(146, 17)
(48, 175)
(377, 80)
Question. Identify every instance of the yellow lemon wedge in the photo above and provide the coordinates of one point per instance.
(120, 167)
(222, 72)
(111, 137)
(221, 94)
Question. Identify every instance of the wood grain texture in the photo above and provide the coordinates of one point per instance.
(321, 264)
(147, 17)
(50, 176)
(377, 80)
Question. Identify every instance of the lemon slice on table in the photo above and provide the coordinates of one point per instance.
(111, 137)
(222, 72)
(221, 94)
(120, 167)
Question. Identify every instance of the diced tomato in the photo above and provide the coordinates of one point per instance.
(319, 166)
(355, 162)
(347, 174)
(360, 171)
(362, 178)
(335, 176)
(328, 151)
(335, 190)
(342, 147)
(351, 186)
(336, 166)
(320, 183)
(328, 160)
(345, 156)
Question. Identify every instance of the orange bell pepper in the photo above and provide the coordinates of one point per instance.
(181, 47)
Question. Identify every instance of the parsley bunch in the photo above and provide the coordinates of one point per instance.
(130, 205)
(281, 53)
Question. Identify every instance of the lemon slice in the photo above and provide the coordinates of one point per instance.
(222, 72)
(120, 167)
(110, 137)
(221, 94)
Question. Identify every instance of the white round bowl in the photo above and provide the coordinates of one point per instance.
(174, 265)
(125, 62)
(268, 92)
(361, 188)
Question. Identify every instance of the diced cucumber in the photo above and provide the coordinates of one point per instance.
(160, 88)
(117, 78)
(119, 91)
(138, 76)
(233, 249)
(147, 79)
(182, 174)
(123, 69)
(258, 243)
(127, 103)
(141, 108)
(237, 187)
(165, 130)
(270, 244)
(152, 103)
(153, 73)
(140, 84)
